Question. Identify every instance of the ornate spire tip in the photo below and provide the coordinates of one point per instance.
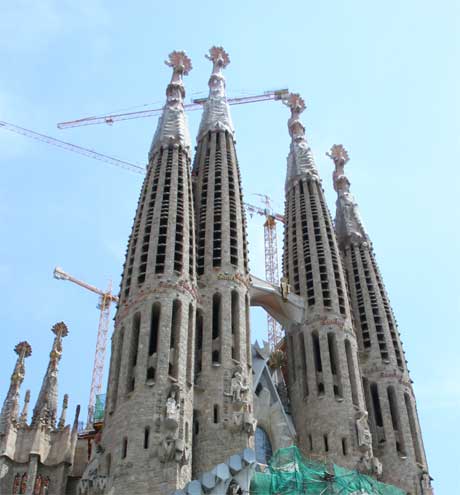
(179, 62)
(23, 347)
(338, 154)
(295, 102)
(219, 57)
(60, 329)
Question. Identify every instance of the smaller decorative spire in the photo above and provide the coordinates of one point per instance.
(300, 158)
(9, 414)
(77, 416)
(25, 410)
(348, 222)
(172, 125)
(65, 405)
(339, 155)
(45, 410)
(216, 112)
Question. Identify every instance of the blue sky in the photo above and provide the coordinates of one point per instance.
(381, 78)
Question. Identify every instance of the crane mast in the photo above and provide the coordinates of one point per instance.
(106, 298)
(275, 333)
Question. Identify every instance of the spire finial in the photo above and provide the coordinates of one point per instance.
(172, 126)
(180, 64)
(297, 105)
(25, 410)
(220, 59)
(339, 155)
(216, 113)
(9, 414)
(65, 405)
(46, 407)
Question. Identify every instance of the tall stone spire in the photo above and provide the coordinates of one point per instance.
(388, 389)
(149, 412)
(9, 414)
(223, 423)
(45, 410)
(324, 379)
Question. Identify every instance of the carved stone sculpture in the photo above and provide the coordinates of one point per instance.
(238, 387)
(364, 433)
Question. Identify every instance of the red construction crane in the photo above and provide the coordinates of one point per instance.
(271, 258)
(74, 148)
(106, 298)
(278, 94)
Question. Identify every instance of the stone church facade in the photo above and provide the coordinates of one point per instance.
(209, 407)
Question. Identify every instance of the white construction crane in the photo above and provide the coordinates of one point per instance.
(106, 298)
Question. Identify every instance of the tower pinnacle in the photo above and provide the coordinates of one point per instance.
(216, 114)
(9, 412)
(300, 160)
(172, 125)
(348, 219)
(46, 407)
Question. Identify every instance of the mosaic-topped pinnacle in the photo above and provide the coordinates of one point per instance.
(219, 57)
(181, 65)
(60, 329)
(296, 103)
(339, 155)
(23, 349)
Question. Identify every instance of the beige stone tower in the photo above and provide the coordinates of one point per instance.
(146, 441)
(324, 379)
(223, 421)
(388, 391)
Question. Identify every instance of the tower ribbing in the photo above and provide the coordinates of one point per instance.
(148, 421)
(387, 386)
(223, 422)
(324, 378)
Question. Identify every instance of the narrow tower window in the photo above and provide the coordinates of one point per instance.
(396, 420)
(376, 405)
(235, 325)
(190, 344)
(174, 337)
(303, 360)
(117, 368)
(198, 342)
(133, 352)
(335, 366)
(146, 437)
(216, 413)
(216, 324)
(154, 328)
(318, 362)
(124, 448)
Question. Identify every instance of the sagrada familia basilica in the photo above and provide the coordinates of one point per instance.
(192, 407)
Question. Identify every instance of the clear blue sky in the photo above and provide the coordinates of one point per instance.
(379, 77)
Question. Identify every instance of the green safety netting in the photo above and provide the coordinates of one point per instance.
(289, 473)
(99, 408)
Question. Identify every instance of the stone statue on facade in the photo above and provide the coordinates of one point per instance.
(238, 386)
(364, 433)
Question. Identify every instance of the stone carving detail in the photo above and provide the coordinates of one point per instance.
(216, 114)
(300, 160)
(370, 465)
(285, 288)
(172, 126)
(364, 433)
(238, 387)
(349, 223)
(171, 447)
